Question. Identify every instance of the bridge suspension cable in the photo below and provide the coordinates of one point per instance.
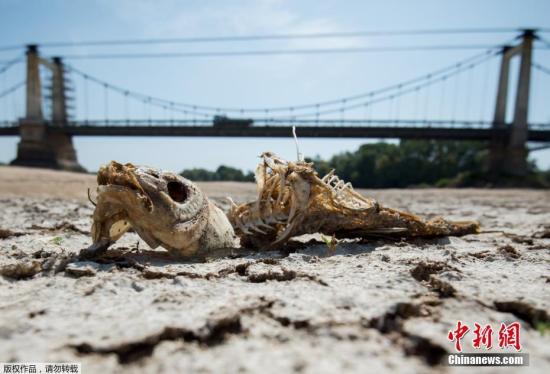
(392, 97)
(484, 92)
(127, 94)
(266, 37)
(12, 89)
(428, 81)
(9, 115)
(546, 71)
(202, 110)
(544, 41)
(541, 68)
(10, 63)
(271, 52)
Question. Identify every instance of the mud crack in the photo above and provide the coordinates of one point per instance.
(391, 323)
(423, 270)
(520, 239)
(40, 262)
(509, 252)
(443, 288)
(257, 271)
(21, 270)
(5, 233)
(214, 332)
(528, 313)
(65, 225)
(425, 273)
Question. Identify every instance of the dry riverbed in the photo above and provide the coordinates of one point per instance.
(360, 307)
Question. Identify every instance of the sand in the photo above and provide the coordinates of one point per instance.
(378, 306)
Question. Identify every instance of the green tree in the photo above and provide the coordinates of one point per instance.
(222, 173)
(198, 174)
(409, 163)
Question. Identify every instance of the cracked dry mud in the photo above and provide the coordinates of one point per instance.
(376, 306)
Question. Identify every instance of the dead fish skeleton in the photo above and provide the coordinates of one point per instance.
(168, 210)
(163, 208)
(292, 200)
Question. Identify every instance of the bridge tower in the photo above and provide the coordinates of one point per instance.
(38, 145)
(508, 153)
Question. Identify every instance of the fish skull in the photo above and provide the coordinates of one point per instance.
(163, 208)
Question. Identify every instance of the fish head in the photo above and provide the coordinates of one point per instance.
(162, 207)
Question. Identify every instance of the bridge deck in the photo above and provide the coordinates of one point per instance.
(285, 131)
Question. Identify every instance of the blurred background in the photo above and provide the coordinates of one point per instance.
(399, 63)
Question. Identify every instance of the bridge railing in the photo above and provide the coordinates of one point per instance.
(445, 124)
(412, 123)
(540, 126)
(6, 123)
(206, 122)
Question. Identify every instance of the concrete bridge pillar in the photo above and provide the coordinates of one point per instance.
(509, 148)
(39, 146)
(499, 142)
(58, 93)
(34, 88)
(518, 153)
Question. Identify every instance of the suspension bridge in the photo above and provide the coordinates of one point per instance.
(46, 135)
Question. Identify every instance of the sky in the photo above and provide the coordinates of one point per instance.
(263, 81)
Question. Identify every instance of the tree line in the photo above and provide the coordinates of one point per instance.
(409, 163)
(222, 173)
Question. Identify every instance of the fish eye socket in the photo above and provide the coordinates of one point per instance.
(177, 191)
